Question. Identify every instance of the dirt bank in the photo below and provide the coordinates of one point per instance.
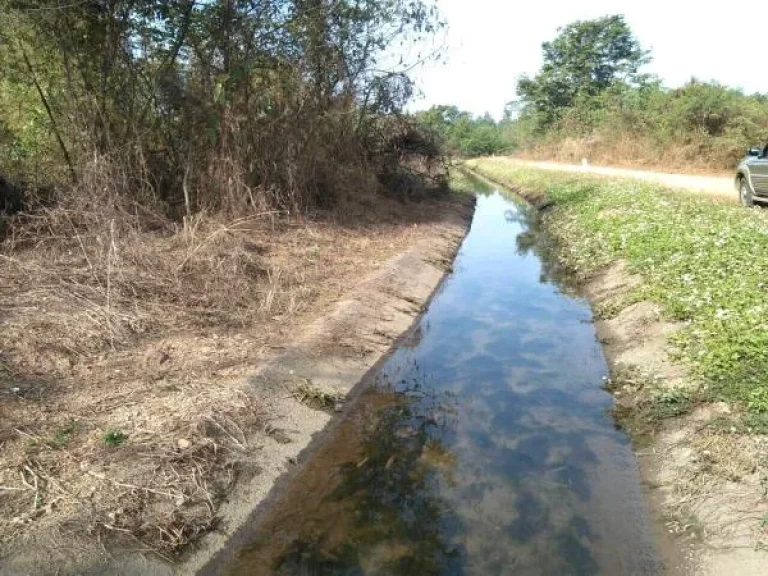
(119, 459)
(704, 482)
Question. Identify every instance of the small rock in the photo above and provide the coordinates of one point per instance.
(183, 444)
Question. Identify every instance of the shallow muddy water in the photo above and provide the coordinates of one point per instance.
(483, 445)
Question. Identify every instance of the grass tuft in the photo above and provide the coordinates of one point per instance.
(114, 437)
(317, 398)
(62, 437)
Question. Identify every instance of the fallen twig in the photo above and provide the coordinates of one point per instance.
(237, 442)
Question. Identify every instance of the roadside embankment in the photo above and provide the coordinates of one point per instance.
(677, 285)
(153, 387)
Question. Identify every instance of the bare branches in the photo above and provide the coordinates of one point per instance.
(218, 105)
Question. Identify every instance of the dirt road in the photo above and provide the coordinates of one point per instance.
(721, 186)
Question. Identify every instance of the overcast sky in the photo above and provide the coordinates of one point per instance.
(489, 43)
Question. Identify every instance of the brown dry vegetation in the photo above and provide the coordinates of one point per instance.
(122, 350)
(625, 150)
(182, 186)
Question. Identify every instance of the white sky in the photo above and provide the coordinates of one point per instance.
(489, 43)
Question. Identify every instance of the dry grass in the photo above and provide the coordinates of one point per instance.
(631, 151)
(149, 334)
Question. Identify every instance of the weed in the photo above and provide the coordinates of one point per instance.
(627, 379)
(669, 404)
(316, 398)
(648, 412)
(63, 436)
(612, 307)
(757, 422)
(460, 182)
(682, 524)
(5, 370)
(758, 400)
(114, 437)
(764, 522)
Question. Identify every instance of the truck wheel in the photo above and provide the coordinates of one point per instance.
(745, 194)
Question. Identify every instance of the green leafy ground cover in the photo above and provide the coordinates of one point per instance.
(704, 262)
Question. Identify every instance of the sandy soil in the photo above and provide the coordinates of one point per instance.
(719, 186)
(706, 484)
(144, 454)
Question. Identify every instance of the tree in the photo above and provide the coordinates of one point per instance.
(585, 59)
(461, 133)
(212, 104)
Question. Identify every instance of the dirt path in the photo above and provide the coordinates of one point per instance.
(720, 186)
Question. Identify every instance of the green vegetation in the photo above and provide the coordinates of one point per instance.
(591, 100)
(162, 109)
(114, 437)
(317, 398)
(64, 435)
(586, 59)
(463, 135)
(460, 182)
(705, 262)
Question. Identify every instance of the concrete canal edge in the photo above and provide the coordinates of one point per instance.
(335, 356)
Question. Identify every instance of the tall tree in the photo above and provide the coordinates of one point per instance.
(586, 58)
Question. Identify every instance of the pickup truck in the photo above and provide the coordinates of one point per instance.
(752, 177)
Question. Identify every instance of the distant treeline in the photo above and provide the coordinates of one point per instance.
(591, 100)
(465, 135)
(702, 125)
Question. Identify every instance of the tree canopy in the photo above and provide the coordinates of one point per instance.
(462, 133)
(201, 102)
(586, 58)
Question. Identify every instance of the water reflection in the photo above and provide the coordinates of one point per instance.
(368, 503)
(484, 446)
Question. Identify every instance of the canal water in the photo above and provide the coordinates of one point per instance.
(482, 446)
